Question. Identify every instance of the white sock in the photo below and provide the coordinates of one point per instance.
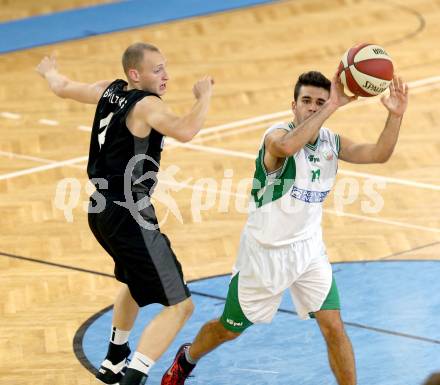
(141, 363)
(118, 336)
(188, 357)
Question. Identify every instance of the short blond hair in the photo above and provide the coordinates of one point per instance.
(134, 54)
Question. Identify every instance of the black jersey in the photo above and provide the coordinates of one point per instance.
(114, 151)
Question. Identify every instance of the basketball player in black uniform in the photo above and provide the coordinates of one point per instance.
(130, 123)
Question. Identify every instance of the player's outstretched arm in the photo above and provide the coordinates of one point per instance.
(280, 144)
(64, 87)
(158, 115)
(396, 103)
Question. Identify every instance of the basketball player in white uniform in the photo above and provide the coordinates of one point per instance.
(281, 245)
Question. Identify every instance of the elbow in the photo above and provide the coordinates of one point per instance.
(284, 150)
(185, 137)
(383, 158)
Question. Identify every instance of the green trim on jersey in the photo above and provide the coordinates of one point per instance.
(332, 301)
(313, 146)
(267, 188)
(233, 318)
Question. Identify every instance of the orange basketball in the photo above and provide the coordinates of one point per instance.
(366, 70)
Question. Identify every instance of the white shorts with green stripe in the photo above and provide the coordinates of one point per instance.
(266, 272)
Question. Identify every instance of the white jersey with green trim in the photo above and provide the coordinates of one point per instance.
(286, 204)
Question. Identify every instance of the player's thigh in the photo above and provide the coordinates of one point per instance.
(246, 305)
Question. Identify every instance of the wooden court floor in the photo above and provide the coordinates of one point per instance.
(49, 265)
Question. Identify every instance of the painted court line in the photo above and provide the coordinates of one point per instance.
(46, 167)
(240, 154)
(72, 163)
(384, 221)
(25, 157)
(10, 115)
(84, 128)
(425, 83)
(417, 86)
(49, 122)
(256, 371)
(329, 211)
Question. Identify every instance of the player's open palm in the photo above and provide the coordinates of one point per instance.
(397, 101)
(47, 64)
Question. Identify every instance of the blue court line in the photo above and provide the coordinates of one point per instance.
(95, 20)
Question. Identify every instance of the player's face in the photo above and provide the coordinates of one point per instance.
(153, 76)
(310, 100)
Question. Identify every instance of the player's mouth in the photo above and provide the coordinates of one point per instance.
(163, 87)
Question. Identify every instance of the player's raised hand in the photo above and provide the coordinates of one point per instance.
(47, 64)
(397, 101)
(337, 95)
(203, 87)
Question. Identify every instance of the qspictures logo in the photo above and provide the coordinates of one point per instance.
(207, 194)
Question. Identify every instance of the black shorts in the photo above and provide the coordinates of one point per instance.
(143, 257)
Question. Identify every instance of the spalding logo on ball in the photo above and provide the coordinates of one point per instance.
(366, 70)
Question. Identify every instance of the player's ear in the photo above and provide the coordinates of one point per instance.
(293, 106)
(133, 74)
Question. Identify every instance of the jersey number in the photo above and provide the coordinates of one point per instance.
(103, 125)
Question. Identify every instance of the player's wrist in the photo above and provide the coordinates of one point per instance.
(331, 105)
(50, 73)
(395, 115)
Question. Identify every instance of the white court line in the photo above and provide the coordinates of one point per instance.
(243, 122)
(432, 81)
(423, 85)
(255, 370)
(385, 221)
(84, 128)
(46, 167)
(239, 154)
(49, 122)
(72, 163)
(35, 159)
(10, 115)
(215, 150)
(230, 133)
(417, 86)
(26, 157)
(329, 211)
(403, 182)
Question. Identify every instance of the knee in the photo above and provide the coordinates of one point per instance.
(222, 333)
(332, 330)
(184, 308)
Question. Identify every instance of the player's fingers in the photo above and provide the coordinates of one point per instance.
(395, 82)
(392, 87)
(400, 82)
(336, 78)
